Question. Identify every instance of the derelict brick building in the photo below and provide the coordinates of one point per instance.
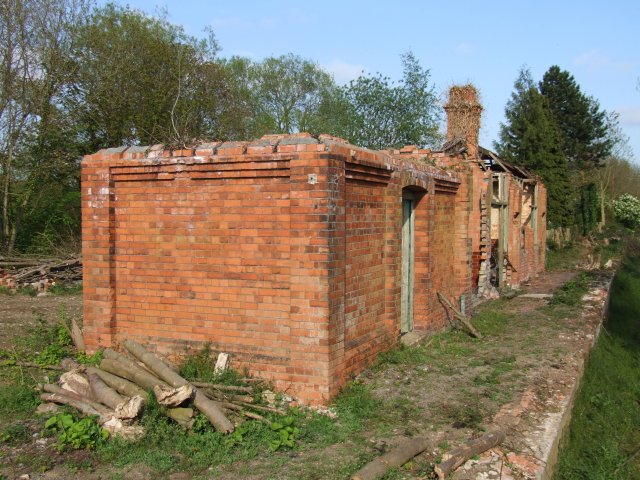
(303, 257)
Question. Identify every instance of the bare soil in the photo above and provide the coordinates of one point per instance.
(20, 312)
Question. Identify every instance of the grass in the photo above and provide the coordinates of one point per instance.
(604, 436)
(564, 258)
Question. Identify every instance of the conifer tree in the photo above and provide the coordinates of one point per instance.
(531, 139)
(583, 125)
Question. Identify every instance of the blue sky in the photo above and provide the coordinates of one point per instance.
(482, 42)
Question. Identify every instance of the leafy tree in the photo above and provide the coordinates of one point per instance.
(36, 143)
(531, 138)
(138, 80)
(583, 125)
(373, 112)
(288, 92)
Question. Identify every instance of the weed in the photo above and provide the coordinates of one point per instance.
(466, 415)
(29, 291)
(571, 293)
(84, 433)
(491, 321)
(201, 366)
(287, 433)
(563, 258)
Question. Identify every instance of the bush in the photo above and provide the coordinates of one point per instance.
(626, 209)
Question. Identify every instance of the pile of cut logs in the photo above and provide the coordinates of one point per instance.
(116, 393)
(39, 273)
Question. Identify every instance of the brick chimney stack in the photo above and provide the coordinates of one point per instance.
(463, 116)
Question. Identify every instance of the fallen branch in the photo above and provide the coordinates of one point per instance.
(459, 316)
(400, 455)
(96, 407)
(18, 363)
(201, 401)
(80, 405)
(224, 388)
(461, 454)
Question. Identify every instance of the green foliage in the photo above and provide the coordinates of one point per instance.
(93, 359)
(531, 138)
(571, 293)
(626, 208)
(66, 289)
(85, 433)
(375, 113)
(603, 435)
(588, 212)
(287, 93)
(200, 366)
(287, 433)
(583, 126)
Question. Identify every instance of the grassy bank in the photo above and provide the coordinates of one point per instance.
(604, 437)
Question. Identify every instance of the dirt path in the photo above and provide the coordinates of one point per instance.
(20, 312)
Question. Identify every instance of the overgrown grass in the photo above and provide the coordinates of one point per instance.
(604, 437)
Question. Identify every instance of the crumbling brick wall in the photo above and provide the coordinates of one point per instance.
(285, 252)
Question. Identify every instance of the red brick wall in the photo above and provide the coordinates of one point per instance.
(284, 252)
(365, 274)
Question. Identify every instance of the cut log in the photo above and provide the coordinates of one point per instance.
(77, 383)
(183, 416)
(130, 408)
(116, 427)
(460, 455)
(121, 385)
(173, 397)
(396, 457)
(131, 372)
(202, 403)
(68, 363)
(104, 393)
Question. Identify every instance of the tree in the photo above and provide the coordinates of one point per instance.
(531, 139)
(138, 78)
(583, 125)
(373, 112)
(35, 40)
(288, 92)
